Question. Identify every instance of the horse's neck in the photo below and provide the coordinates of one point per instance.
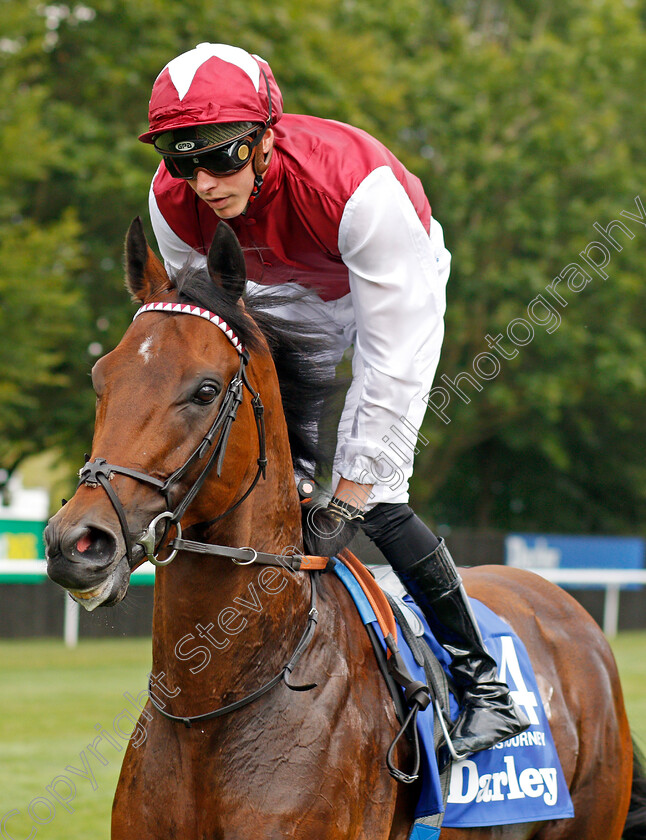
(219, 627)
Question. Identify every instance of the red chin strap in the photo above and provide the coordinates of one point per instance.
(257, 184)
(260, 166)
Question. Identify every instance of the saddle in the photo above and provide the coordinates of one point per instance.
(519, 780)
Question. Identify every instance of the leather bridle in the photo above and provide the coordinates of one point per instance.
(100, 472)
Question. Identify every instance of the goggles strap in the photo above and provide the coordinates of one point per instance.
(260, 160)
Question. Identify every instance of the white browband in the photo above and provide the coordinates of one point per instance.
(191, 309)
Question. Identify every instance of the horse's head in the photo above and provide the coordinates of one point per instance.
(167, 398)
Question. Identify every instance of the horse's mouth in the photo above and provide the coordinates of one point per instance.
(106, 594)
(90, 562)
(93, 598)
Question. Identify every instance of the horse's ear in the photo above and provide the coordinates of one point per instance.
(145, 275)
(226, 261)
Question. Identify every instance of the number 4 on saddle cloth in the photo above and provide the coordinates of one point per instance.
(517, 781)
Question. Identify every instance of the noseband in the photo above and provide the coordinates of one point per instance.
(99, 472)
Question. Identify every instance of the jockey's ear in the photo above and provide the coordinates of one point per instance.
(145, 275)
(226, 261)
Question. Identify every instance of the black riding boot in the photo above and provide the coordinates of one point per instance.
(488, 713)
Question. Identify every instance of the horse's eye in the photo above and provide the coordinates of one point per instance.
(206, 393)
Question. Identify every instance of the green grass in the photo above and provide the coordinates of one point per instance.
(52, 699)
(630, 653)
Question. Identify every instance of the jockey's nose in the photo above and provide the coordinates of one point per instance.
(205, 180)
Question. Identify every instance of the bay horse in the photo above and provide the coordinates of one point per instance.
(180, 440)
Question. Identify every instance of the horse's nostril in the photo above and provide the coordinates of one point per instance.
(94, 544)
(84, 543)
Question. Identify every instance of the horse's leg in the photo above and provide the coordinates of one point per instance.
(581, 693)
(154, 796)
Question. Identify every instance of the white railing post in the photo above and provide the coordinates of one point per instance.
(71, 626)
(611, 611)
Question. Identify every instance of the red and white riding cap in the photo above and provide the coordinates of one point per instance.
(213, 83)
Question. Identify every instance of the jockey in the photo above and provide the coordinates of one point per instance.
(320, 205)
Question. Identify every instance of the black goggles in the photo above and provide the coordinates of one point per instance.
(222, 160)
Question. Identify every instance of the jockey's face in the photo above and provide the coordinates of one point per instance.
(228, 195)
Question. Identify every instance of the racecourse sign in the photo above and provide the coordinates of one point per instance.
(21, 539)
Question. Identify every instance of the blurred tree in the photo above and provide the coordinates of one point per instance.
(37, 330)
(43, 320)
(525, 121)
(530, 128)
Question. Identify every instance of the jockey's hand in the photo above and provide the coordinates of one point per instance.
(349, 499)
(346, 505)
(344, 511)
(337, 524)
(331, 528)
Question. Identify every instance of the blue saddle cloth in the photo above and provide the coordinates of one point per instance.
(517, 781)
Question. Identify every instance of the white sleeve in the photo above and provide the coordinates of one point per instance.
(398, 276)
(175, 252)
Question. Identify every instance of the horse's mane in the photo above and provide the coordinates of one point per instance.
(306, 384)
